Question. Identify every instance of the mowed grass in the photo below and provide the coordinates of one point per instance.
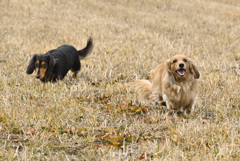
(99, 116)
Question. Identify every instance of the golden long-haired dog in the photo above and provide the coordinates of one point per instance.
(173, 83)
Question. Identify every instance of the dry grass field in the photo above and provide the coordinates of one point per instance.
(99, 116)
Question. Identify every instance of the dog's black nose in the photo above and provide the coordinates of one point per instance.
(37, 76)
(181, 65)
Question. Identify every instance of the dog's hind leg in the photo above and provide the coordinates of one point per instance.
(157, 98)
(74, 73)
(76, 67)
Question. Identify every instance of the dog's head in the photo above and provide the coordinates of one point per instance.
(182, 67)
(42, 65)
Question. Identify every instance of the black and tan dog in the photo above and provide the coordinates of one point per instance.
(55, 64)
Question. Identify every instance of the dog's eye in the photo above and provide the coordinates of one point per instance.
(36, 64)
(174, 61)
(185, 60)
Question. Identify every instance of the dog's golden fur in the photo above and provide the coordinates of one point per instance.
(173, 83)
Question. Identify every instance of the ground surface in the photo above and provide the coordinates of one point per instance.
(98, 116)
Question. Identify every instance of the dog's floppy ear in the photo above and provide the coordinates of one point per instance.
(169, 70)
(194, 70)
(31, 65)
(51, 65)
(168, 65)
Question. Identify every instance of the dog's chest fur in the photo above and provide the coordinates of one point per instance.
(180, 94)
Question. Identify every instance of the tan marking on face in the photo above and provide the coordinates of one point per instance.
(37, 67)
(42, 72)
(36, 70)
(42, 69)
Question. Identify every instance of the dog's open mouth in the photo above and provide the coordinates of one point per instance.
(181, 72)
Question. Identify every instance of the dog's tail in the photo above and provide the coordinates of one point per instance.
(86, 52)
(143, 88)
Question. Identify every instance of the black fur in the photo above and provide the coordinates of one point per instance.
(59, 61)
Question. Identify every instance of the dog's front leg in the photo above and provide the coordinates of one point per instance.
(168, 104)
(190, 107)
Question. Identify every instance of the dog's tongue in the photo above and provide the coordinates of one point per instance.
(181, 72)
